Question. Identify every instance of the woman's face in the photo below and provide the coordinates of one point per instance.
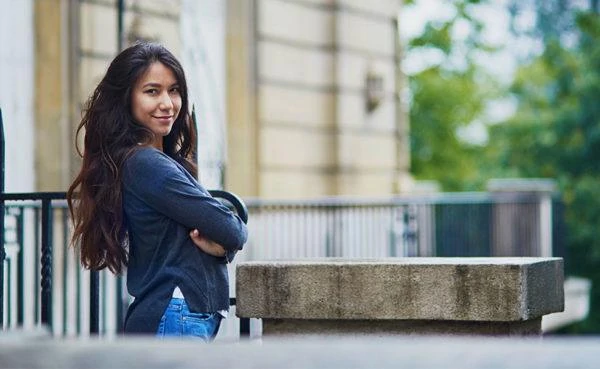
(156, 101)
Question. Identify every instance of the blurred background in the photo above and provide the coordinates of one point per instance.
(504, 89)
(351, 128)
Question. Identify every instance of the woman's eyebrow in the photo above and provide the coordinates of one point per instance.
(151, 84)
(156, 84)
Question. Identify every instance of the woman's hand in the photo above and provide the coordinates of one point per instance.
(206, 245)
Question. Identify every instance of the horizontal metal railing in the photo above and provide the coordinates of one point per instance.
(475, 224)
(445, 224)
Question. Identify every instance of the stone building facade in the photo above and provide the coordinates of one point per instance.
(294, 98)
(313, 99)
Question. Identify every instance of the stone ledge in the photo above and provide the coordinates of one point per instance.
(307, 352)
(447, 289)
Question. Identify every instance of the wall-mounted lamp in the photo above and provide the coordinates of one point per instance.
(373, 90)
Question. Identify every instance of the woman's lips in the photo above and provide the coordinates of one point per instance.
(164, 118)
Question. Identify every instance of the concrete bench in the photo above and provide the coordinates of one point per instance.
(491, 296)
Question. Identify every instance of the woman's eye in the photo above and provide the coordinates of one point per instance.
(151, 91)
(175, 90)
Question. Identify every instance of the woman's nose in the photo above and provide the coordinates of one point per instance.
(165, 102)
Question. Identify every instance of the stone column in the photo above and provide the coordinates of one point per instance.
(522, 221)
(52, 147)
(472, 296)
(242, 167)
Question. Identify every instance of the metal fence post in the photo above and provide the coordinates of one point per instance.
(244, 322)
(94, 302)
(46, 260)
(121, 305)
(244, 327)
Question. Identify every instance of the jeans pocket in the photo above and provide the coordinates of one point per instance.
(197, 316)
(201, 325)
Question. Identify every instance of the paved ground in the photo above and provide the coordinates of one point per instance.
(37, 351)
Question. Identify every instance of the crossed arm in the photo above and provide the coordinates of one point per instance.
(206, 245)
(170, 190)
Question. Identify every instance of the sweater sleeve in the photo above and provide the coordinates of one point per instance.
(159, 182)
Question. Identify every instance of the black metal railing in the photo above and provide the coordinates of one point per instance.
(46, 199)
(44, 208)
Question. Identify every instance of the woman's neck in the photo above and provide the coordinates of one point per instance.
(158, 144)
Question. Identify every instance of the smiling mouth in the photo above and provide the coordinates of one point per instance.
(164, 117)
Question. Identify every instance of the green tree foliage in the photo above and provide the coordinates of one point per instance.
(445, 97)
(556, 133)
(444, 101)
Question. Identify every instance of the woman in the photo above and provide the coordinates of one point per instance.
(136, 202)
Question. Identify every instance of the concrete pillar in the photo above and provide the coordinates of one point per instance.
(404, 180)
(473, 296)
(51, 96)
(241, 172)
(526, 204)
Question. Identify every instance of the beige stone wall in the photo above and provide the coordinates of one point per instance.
(75, 42)
(241, 175)
(307, 74)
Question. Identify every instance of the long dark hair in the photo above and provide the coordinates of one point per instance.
(111, 135)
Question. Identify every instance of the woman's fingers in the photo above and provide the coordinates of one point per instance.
(206, 245)
(194, 234)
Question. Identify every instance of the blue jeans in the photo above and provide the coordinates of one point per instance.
(179, 321)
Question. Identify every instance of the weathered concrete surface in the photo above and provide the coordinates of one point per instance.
(422, 289)
(476, 289)
(383, 328)
(400, 352)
